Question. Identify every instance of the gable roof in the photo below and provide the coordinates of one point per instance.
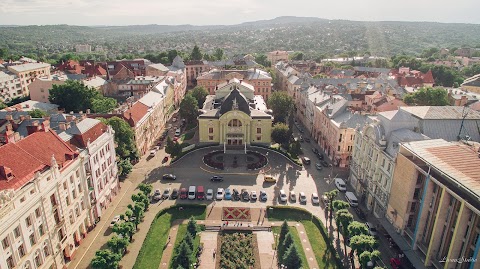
(235, 97)
(134, 114)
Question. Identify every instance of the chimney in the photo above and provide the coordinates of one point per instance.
(87, 111)
(22, 118)
(35, 127)
(28, 117)
(6, 173)
(62, 126)
(69, 118)
(46, 125)
(8, 117)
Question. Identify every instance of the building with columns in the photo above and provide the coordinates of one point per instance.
(434, 203)
(235, 117)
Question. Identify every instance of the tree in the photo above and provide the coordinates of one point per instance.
(200, 94)
(37, 113)
(281, 105)
(73, 96)
(295, 148)
(427, 96)
(298, 56)
(283, 246)
(364, 258)
(330, 196)
(3, 53)
(2, 105)
(339, 204)
(471, 70)
(343, 218)
(262, 59)
(171, 55)
(106, 259)
(360, 243)
(138, 211)
(103, 104)
(280, 133)
(124, 167)
(218, 54)
(183, 256)
(196, 54)
(124, 138)
(292, 259)
(283, 232)
(189, 240)
(125, 229)
(192, 227)
(357, 228)
(321, 75)
(189, 108)
(118, 245)
(145, 188)
(141, 198)
(173, 148)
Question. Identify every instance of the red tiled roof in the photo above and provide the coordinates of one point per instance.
(428, 77)
(31, 155)
(92, 134)
(389, 105)
(135, 113)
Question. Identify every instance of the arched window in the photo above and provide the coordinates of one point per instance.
(46, 250)
(38, 258)
(235, 123)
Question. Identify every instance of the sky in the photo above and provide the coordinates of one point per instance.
(228, 12)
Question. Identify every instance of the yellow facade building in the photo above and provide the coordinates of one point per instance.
(235, 117)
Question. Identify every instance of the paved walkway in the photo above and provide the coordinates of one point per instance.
(209, 241)
(268, 255)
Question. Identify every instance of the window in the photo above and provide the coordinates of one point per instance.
(65, 185)
(10, 263)
(21, 251)
(338, 148)
(28, 221)
(71, 179)
(340, 138)
(389, 166)
(16, 232)
(32, 240)
(80, 188)
(46, 251)
(210, 130)
(259, 137)
(38, 212)
(210, 137)
(259, 130)
(5, 243)
(77, 173)
(41, 231)
(22, 199)
(38, 259)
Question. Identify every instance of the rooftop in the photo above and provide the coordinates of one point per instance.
(28, 67)
(442, 112)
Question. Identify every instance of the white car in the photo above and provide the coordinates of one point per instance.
(220, 194)
(340, 184)
(209, 195)
(177, 132)
(157, 195)
(174, 119)
(114, 221)
(166, 193)
(153, 153)
(283, 196)
(253, 196)
(315, 199)
(302, 198)
(293, 197)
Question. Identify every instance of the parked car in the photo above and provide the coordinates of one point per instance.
(236, 195)
(269, 178)
(360, 213)
(301, 139)
(319, 155)
(282, 196)
(165, 159)
(324, 199)
(305, 160)
(183, 193)
(253, 196)
(307, 139)
(325, 163)
(315, 200)
(169, 177)
(153, 153)
(245, 195)
(340, 184)
(178, 132)
(209, 195)
(157, 195)
(114, 221)
(216, 178)
(371, 229)
(302, 198)
(293, 197)
(166, 193)
(318, 166)
(192, 192)
(314, 150)
(263, 196)
(174, 194)
(228, 194)
(220, 194)
(200, 193)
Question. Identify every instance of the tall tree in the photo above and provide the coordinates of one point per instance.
(360, 243)
(200, 94)
(141, 198)
(339, 204)
(218, 54)
(281, 105)
(343, 218)
(427, 96)
(103, 104)
(292, 259)
(283, 232)
(106, 259)
(192, 226)
(118, 245)
(124, 138)
(126, 229)
(171, 55)
(138, 211)
(330, 196)
(280, 133)
(295, 149)
(283, 247)
(189, 240)
(357, 228)
(189, 108)
(262, 59)
(124, 167)
(196, 54)
(145, 188)
(73, 96)
(183, 256)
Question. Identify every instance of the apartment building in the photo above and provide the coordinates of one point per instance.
(28, 72)
(81, 48)
(195, 69)
(44, 207)
(259, 79)
(10, 87)
(276, 56)
(433, 211)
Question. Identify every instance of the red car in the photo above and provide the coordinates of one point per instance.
(395, 263)
(183, 193)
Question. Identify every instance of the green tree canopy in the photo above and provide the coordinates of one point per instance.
(183, 256)
(281, 104)
(218, 54)
(360, 243)
(124, 138)
(73, 96)
(118, 245)
(124, 167)
(106, 259)
(126, 229)
(103, 104)
(2, 105)
(37, 113)
(298, 56)
(189, 108)
(281, 133)
(145, 188)
(173, 148)
(291, 258)
(283, 246)
(200, 94)
(192, 226)
(340, 204)
(141, 198)
(295, 149)
(189, 240)
(357, 228)
(196, 53)
(427, 96)
(262, 59)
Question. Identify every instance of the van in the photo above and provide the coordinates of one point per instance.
(305, 160)
(200, 193)
(177, 132)
(351, 199)
(192, 191)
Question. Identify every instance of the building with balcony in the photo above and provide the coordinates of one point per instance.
(235, 117)
(28, 72)
(10, 87)
(434, 203)
(44, 206)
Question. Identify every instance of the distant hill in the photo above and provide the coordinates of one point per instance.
(311, 35)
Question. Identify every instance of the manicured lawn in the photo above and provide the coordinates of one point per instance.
(296, 241)
(151, 252)
(181, 232)
(324, 256)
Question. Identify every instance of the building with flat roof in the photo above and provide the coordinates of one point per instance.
(29, 72)
(435, 203)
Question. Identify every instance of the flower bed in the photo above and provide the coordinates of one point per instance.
(262, 160)
(236, 213)
(238, 251)
(210, 161)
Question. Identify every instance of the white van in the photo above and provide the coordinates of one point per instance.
(192, 191)
(351, 199)
(177, 132)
